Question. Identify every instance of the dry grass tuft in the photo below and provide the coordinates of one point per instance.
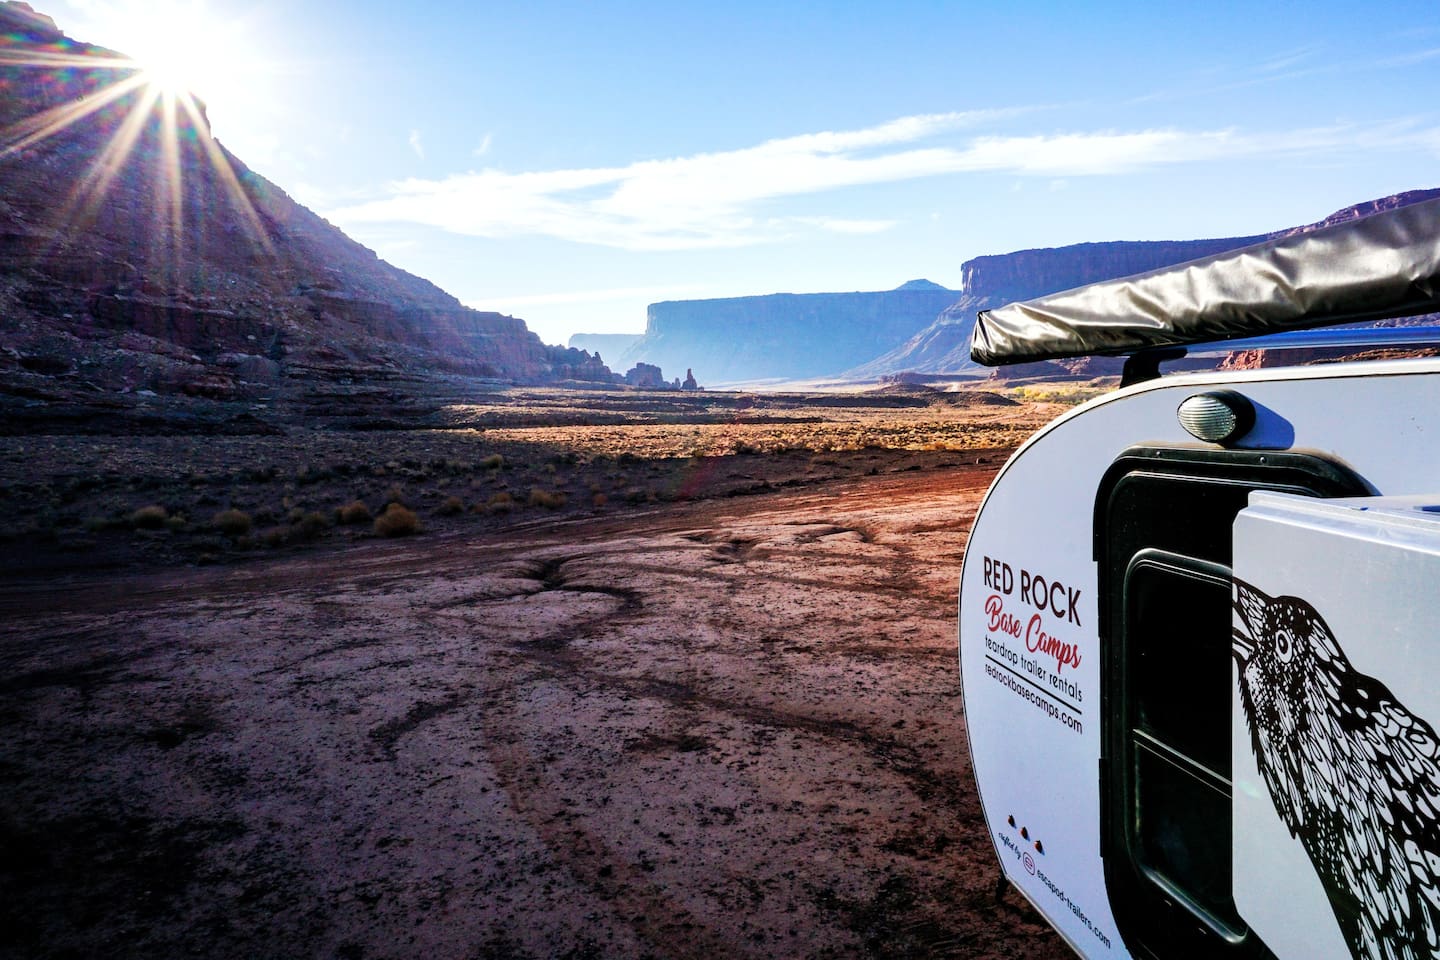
(310, 526)
(500, 502)
(450, 507)
(1071, 394)
(232, 523)
(492, 462)
(396, 521)
(353, 512)
(551, 500)
(149, 518)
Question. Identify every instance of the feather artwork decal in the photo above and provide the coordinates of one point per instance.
(1352, 773)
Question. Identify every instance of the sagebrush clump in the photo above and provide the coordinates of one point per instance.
(353, 512)
(551, 500)
(310, 526)
(149, 518)
(232, 523)
(396, 521)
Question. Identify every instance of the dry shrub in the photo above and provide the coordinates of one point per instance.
(310, 526)
(492, 462)
(500, 502)
(551, 500)
(232, 523)
(396, 521)
(395, 495)
(275, 536)
(149, 518)
(599, 499)
(450, 507)
(353, 512)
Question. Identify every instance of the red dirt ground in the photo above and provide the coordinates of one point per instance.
(725, 728)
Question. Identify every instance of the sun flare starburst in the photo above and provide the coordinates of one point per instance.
(123, 105)
(179, 52)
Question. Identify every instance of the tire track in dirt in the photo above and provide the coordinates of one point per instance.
(583, 852)
(888, 752)
(711, 729)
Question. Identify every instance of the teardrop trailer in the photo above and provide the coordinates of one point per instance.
(1196, 615)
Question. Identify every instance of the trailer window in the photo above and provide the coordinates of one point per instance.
(1163, 518)
(1177, 627)
(1178, 618)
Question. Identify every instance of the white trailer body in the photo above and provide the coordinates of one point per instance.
(1196, 663)
(1031, 654)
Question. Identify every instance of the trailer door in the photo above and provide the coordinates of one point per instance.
(1162, 542)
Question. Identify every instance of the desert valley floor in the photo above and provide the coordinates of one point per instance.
(723, 725)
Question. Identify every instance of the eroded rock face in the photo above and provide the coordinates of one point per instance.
(118, 278)
(784, 335)
(1034, 273)
(646, 376)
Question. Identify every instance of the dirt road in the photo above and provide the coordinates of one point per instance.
(729, 728)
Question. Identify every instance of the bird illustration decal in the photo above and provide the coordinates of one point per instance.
(1352, 773)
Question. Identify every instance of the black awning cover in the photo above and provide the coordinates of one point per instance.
(1381, 266)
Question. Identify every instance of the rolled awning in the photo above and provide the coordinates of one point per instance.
(1374, 268)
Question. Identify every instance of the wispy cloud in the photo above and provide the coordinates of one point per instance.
(483, 148)
(846, 225)
(1285, 61)
(1410, 59)
(1298, 64)
(416, 145)
(721, 199)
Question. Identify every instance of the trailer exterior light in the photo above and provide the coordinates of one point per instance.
(1221, 416)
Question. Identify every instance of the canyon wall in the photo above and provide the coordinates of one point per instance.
(139, 257)
(783, 335)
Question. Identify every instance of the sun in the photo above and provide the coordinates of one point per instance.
(180, 50)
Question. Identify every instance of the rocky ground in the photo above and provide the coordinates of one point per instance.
(699, 725)
(101, 500)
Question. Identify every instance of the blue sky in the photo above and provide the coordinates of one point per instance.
(571, 162)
